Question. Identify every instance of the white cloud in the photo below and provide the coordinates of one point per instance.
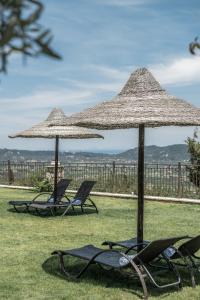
(107, 79)
(79, 93)
(42, 99)
(23, 112)
(178, 71)
(110, 72)
(94, 87)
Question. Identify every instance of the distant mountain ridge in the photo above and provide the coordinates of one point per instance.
(178, 152)
(171, 153)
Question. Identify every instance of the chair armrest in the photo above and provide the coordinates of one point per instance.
(40, 194)
(136, 245)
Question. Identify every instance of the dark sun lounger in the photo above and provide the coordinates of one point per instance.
(62, 185)
(186, 252)
(138, 262)
(80, 199)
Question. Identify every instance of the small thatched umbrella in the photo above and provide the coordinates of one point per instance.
(141, 103)
(51, 128)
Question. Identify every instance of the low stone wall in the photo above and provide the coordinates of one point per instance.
(122, 196)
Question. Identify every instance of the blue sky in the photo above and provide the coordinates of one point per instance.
(102, 42)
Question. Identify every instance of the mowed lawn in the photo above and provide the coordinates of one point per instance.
(27, 270)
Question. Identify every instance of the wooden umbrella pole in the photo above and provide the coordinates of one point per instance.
(56, 168)
(140, 216)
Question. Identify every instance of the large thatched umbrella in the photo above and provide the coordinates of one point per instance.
(141, 103)
(51, 128)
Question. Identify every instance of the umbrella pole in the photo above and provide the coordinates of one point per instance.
(56, 168)
(140, 216)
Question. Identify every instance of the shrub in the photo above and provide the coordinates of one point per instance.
(194, 150)
(40, 183)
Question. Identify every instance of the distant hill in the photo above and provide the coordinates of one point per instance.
(27, 155)
(172, 153)
(176, 153)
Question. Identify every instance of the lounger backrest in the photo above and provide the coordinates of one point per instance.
(62, 185)
(190, 247)
(154, 249)
(84, 190)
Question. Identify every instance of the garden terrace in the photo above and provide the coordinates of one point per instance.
(28, 272)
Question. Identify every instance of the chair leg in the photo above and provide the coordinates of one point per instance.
(52, 211)
(66, 210)
(175, 271)
(141, 278)
(96, 208)
(62, 266)
(16, 209)
(64, 271)
(190, 264)
(192, 278)
(94, 205)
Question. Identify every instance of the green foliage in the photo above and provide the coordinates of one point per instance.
(193, 46)
(40, 183)
(35, 178)
(194, 150)
(43, 186)
(20, 31)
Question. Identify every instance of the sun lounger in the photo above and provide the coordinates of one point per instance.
(80, 200)
(114, 259)
(61, 189)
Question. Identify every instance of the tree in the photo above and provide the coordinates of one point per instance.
(194, 150)
(20, 31)
(193, 46)
(193, 143)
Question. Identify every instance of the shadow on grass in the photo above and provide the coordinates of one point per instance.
(121, 212)
(107, 212)
(95, 275)
(20, 210)
(47, 213)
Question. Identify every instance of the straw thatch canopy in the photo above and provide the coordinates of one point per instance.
(141, 101)
(50, 128)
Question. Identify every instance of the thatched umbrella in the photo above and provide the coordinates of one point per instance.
(51, 128)
(141, 103)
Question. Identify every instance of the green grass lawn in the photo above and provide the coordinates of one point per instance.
(27, 270)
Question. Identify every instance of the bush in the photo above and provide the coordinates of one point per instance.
(41, 184)
(194, 150)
